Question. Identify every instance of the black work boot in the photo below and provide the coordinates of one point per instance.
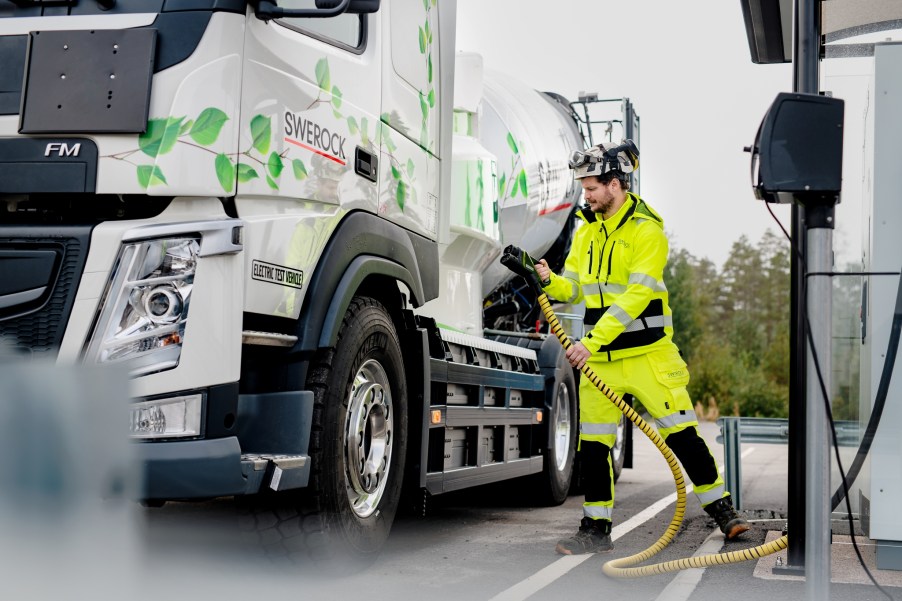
(594, 536)
(731, 524)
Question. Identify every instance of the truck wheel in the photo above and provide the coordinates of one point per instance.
(563, 421)
(359, 434)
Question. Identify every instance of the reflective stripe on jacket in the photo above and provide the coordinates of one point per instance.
(617, 267)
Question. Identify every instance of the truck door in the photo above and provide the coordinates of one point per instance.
(310, 108)
(408, 194)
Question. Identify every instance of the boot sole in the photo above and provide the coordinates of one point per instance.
(736, 531)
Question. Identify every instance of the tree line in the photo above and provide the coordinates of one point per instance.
(732, 326)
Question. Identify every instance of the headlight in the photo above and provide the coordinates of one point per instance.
(141, 323)
(167, 418)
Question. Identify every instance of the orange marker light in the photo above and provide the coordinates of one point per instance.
(436, 416)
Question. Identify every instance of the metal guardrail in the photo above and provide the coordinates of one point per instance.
(766, 430)
(773, 430)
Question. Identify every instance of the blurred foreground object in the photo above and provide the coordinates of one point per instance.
(67, 476)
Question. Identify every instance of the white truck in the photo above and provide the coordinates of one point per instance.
(283, 221)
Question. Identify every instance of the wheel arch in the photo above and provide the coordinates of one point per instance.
(365, 254)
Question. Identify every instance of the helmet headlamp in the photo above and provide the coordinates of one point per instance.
(578, 158)
(617, 159)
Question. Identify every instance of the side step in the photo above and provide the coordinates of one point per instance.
(268, 339)
(275, 471)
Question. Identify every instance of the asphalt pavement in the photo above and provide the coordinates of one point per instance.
(489, 543)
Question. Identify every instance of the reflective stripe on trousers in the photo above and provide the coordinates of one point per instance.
(708, 495)
(599, 510)
(603, 428)
(675, 419)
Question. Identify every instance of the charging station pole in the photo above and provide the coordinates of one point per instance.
(805, 70)
(819, 223)
(798, 157)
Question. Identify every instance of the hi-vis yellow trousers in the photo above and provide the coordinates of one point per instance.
(658, 381)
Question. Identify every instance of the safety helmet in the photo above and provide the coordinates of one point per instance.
(607, 157)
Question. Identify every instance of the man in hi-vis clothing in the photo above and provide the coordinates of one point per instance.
(616, 265)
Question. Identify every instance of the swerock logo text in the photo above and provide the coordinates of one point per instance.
(314, 137)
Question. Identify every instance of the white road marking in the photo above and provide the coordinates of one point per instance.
(533, 584)
(684, 583)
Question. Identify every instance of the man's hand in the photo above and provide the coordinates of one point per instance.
(543, 271)
(577, 355)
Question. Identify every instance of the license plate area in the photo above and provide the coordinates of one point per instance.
(88, 81)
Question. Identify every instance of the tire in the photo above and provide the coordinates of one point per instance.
(358, 444)
(563, 419)
(359, 435)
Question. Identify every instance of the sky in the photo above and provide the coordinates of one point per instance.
(689, 74)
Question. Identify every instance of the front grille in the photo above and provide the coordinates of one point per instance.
(38, 330)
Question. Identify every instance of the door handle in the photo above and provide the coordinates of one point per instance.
(365, 164)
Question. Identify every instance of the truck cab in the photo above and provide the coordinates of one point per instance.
(255, 210)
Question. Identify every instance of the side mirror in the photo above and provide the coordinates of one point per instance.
(798, 150)
(268, 9)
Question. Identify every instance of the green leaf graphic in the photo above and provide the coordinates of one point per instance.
(208, 125)
(225, 172)
(429, 68)
(150, 175)
(401, 194)
(424, 106)
(275, 165)
(469, 200)
(431, 98)
(157, 177)
(352, 125)
(322, 74)
(522, 179)
(422, 41)
(512, 144)
(336, 97)
(383, 136)
(501, 183)
(300, 171)
(161, 136)
(514, 187)
(395, 172)
(261, 132)
(171, 135)
(246, 173)
(144, 172)
(364, 134)
(186, 126)
(425, 4)
(410, 168)
(272, 184)
(149, 141)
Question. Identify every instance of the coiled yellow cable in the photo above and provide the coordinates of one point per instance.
(618, 568)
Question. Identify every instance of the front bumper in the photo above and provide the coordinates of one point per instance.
(269, 450)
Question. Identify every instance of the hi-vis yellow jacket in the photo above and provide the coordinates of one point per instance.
(617, 267)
